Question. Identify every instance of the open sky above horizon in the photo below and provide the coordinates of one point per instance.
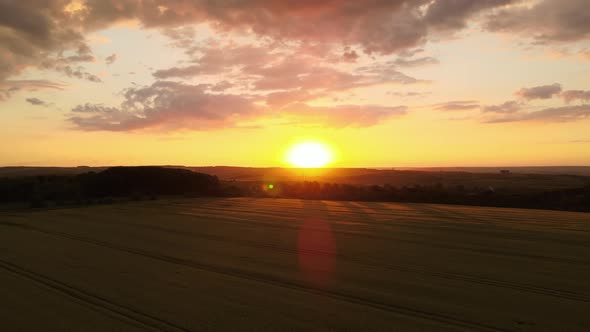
(382, 82)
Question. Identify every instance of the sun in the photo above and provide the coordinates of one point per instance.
(309, 155)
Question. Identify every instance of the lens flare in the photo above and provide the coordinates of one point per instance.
(309, 155)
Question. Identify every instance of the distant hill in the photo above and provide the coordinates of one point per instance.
(528, 179)
(516, 181)
(20, 171)
(567, 170)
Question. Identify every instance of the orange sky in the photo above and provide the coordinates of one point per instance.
(442, 83)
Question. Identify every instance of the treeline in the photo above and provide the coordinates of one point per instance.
(146, 182)
(115, 183)
(575, 199)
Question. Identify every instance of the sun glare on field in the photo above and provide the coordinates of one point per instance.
(309, 155)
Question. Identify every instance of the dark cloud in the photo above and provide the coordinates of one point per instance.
(111, 59)
(78, 72)
(513, 111)
(36, 101)
(350, 55)
(382, 26)
(94, 108)
(453, 14)
(70, 65)
(573, 95)
(539, 92)
(33, 31)
(545, 20)
(25, 19)
(555, 114)
(507, 107)
(458, 105)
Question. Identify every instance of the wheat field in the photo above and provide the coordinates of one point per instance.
(246, 264)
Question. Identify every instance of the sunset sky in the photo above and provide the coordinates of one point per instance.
(383, 83)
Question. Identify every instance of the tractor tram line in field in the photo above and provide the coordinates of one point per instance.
(416, 313)
(374, 265)
(98, 303)
(483, 250)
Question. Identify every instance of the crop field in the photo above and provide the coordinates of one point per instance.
(246, 264)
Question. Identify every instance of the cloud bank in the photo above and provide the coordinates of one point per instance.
(167, 105)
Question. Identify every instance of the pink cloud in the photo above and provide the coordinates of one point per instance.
(172, 106)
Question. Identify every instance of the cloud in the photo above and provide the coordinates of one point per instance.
(216, 58)
(36, 101)
(539, 92)
(458, 105)
(305, 74)
(341, 116)
(167, 105)
(379, 26)
(284, 74)
(36, 35)
(94, 109)
(416, 62)
(78, 72)
(69, 65)
(573, 95)
(555, 114)
(111, 59)
(222, 86)
(283, 98)
(453, 14)
(544, 21)
(350, 55)
(32, 32)
(8, 87)
(507, 107)
(513, 111)
(376, 26)
(407, 94)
